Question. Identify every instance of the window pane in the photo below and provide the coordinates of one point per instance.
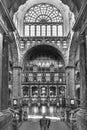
(54, 30)
(47, 77)
(64, 44)
(30, 78)
(32, 30)
(56, 78)
(38, 30)
(26, 30)
(48, 30)
(60, 30)
(58, 44)
(39, 78)
(43, 30)
(22, 45)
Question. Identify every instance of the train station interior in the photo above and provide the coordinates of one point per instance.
(43, 64)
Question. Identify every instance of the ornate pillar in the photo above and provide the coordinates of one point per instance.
(70, 83)
(17, 81)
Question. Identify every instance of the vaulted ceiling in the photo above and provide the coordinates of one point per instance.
(13, 5)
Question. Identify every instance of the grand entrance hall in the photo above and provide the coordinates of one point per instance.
(43, 65)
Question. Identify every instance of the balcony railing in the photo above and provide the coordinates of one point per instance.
(43, 79)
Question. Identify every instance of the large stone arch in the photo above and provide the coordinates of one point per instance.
(19, 15)
(48, 45)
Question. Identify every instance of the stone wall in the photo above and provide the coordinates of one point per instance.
(6, 120)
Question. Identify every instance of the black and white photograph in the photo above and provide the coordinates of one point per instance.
(43, 65)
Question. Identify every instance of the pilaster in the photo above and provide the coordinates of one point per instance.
(70, 82)
(17, 81)
(4, 90)
(1, 46)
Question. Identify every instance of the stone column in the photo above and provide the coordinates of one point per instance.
(82, 114)
(1, 47)
(5, 115)
(4, 90)
(83, 74)
(17, 81)
(70, 82)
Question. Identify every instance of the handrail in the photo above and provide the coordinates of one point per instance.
(13, 110)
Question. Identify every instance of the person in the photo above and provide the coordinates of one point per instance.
(25, 116)
(44, 123)
(14, 122)
(20, 114)
(48, 123)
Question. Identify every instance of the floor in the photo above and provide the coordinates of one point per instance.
(29, 125)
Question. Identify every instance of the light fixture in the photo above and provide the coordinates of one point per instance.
(60, 65)
(43, 109)
(35, 116)
(53, 118)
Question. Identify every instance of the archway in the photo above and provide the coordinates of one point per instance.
(49, 49)
(44, 67)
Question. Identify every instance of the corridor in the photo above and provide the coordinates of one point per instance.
(35, 126)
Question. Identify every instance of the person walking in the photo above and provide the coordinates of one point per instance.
(43, 123)
(20, 114)
(48, 123)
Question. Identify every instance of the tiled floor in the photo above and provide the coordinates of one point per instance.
(29, 125)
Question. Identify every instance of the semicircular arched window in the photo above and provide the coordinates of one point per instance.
(43, 20)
